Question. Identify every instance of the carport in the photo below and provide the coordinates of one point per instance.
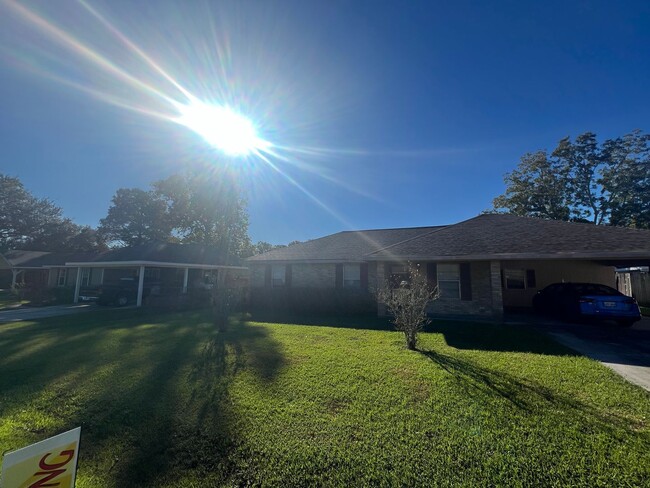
(140, 267)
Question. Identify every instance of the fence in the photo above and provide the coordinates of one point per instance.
(636, 284)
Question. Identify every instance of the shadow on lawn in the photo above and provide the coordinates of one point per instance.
(529, 396)
(484, 336)
(497, 337)
(150, 392)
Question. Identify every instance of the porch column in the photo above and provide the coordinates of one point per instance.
(14, 275)
(140, 286)
(77, 285)
(495, 285)
(186, 275)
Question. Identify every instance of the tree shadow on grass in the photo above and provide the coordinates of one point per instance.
(526, 395)
(152, 394)
(497, 337)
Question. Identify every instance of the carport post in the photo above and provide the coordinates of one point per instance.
(185, 278)
(77, 285)
(140, 286)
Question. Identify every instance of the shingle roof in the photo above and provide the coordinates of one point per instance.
(501, 236)
(163, 253)
(36, 259)
(343, 246)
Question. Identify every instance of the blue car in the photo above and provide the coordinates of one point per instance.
(587, 301)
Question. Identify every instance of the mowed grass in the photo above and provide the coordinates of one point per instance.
(165, 400)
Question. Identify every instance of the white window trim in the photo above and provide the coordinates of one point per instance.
(62, 273)
(284, 275)
(85, 276)
(353, 283)
(505, 278)
(450, 281)
(525, 278)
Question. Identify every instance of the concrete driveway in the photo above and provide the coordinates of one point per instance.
(625, 350)
(34, 313)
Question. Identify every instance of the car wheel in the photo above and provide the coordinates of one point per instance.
(121, 300)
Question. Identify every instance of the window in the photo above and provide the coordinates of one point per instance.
(519, 279)
(61, 276)
(85, 276)
(449, 280)
(278, 275)
(515, 279)
(352, 275)
(399, 276)
(152, 274)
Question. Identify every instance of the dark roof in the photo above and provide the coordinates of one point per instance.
(36, 259)
(163, 253)
(504, 236)
(343, 246)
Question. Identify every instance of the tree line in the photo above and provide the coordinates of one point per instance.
(191, 207)
(582, 180)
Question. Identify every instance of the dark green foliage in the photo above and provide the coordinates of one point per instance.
(136, 217)
(27, 222)
(207, 208)
(584, 181)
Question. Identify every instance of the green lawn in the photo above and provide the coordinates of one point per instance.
(164, 400)
(645, 311)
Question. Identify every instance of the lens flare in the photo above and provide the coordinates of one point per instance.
(221, 127)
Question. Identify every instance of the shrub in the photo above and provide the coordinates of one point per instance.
(407, 303)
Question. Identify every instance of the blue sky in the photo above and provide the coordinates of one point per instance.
(389, 114)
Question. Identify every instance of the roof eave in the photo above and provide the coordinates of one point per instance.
(516, 256)
(157, 264)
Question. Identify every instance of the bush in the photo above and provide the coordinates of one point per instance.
(407, 303)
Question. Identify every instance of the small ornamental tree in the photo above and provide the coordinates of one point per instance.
(407, 302)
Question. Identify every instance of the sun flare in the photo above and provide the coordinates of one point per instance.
(221, 127)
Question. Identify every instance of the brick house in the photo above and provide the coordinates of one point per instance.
(482, 266)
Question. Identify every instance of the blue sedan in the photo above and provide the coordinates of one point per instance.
(587, 301)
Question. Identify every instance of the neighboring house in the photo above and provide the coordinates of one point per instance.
(174, 268)
(482, 266)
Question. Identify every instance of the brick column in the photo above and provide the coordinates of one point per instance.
(381, 281)
(497, 292)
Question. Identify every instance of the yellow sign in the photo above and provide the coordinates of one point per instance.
(52, 462)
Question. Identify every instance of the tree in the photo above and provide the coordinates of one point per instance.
(207, 209)
(136, 217)
(21, 214)
(584, 181)
(407, 303)
(65, 235)
(29, 222)
(537, 188)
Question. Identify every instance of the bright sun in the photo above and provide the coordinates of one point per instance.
(221, 127)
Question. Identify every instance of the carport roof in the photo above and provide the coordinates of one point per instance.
(38, 259)
(149, 254)
(162, 253)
